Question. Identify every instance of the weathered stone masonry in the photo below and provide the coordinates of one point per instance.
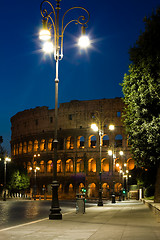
(78, 146)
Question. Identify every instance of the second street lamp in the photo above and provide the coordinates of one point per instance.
(50, 21)
(100, 132)
(7, 159)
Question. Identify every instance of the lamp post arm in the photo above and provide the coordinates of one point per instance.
(82, 20)
(100, 119)
(47, 15)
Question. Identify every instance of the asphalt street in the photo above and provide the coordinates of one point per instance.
(15, 212)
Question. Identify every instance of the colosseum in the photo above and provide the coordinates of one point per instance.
(83, 154)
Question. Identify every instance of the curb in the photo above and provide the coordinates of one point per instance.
(155, 208)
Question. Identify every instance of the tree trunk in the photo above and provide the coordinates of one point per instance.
(157, 187)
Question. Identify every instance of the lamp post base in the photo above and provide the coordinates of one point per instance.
(55, 214)
(100, 203)
(55, 209)
(4, 197)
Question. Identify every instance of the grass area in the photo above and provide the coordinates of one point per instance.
(149, 198)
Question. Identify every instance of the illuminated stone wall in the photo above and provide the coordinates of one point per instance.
(78, 145)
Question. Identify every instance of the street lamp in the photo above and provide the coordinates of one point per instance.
(35, 180)
(112, 152)
(7, 159)
(126, 176)
(52, 23)
(100, 131)
(111, 127)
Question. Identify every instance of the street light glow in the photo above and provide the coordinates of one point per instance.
(84, 42)
(111, 127)
(121, 153)
(110, 152)
(7, 159)
(44, 35)
(94, 127)
(48, 47)
(37, 169)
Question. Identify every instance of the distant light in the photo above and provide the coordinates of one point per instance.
(7, 159)
(94, 127)
(45, 35)
(37, 155)
(110, 152)
(121, 153)
(48, 47)
(111, 127)
(84, 42)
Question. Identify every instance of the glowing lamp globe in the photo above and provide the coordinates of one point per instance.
(111, 127)
(48, 47)
(94, 127)
(84, 42)
(45, 35)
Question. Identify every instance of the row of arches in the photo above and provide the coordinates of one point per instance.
(79, 166)
(67, 143)
(91, 189)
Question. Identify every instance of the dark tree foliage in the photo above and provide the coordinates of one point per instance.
(19, 182)
(141, 88)
(147, 44)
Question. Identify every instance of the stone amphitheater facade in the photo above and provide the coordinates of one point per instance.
(79, 164)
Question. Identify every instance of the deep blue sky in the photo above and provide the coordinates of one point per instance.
(27, 76)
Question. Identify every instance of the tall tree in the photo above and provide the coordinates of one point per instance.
(19, 182)
(141, 88)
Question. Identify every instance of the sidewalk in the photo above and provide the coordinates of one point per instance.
(128, 220)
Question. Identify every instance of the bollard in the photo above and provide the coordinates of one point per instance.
(80, 203)
(113, 199)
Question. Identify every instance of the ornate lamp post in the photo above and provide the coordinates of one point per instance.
(50, 21)
(126, 176)
(35, 180)
(7, 159)
(100, 132)
(112, 153)
(100, 119)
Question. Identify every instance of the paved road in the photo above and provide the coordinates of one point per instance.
(129, 220)
(14, 212)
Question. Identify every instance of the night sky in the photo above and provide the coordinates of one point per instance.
(27, 75)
